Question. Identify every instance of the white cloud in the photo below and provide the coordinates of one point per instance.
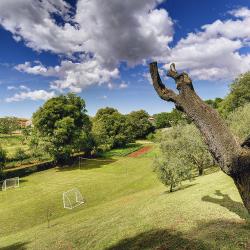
(72, 76)
(214, 52)
(11, 87)
(109, 32)
(123, 85)
(23, 87)
(31, 95)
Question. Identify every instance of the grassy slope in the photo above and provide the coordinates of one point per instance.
(127, 208)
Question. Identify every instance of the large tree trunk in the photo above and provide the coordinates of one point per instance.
(233, 159)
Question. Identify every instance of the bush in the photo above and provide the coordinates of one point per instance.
(20, 154)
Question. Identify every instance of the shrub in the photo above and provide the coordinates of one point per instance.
(20, 154)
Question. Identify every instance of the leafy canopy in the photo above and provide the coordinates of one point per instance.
(60, 122)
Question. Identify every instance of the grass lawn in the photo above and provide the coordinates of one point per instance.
(126, 208)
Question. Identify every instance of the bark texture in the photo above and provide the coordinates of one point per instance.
(233, 158)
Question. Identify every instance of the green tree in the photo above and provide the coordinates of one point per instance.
(162, 120)
(60, 122)
(239, 121)
(139, 124)
(3, 157)
(171, 166)
(110, 129)
(8, 125)
(214, 103)
(239, 94)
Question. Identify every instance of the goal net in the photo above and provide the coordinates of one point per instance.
(72, 198)
(10, 183)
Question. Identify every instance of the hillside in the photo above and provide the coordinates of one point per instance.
(126, 208)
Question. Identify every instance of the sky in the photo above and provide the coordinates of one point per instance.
(100, 50)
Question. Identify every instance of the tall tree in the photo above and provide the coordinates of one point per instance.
(110, 129)
(233, 159)
(139, 124)
(60, 122)
(239, 95)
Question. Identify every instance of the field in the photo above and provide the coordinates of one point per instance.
(126, 208)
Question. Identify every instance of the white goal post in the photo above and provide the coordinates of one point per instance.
(72, 198)
(10, 183)
(81, 159)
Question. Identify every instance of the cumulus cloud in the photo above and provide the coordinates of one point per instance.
(103, 34)
(72, 76)
(214, 52)
(31, 95)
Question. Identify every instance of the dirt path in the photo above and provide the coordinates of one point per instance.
(140, 151)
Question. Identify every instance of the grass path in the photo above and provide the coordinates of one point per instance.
(127, 208)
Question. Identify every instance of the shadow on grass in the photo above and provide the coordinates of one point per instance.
(223, 234)
(180, 188)
(86, 164)
(159, 239)
(224, 200)
(212, 235)
(16, 246)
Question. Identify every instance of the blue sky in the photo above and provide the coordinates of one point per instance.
(101, 49)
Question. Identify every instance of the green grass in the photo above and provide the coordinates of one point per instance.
(130, 148)
(126, 208)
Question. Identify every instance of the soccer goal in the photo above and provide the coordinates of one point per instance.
(10, 183)
(72, 198)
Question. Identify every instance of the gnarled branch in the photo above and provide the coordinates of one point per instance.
(163, 92)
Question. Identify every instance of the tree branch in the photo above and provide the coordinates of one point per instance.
(163, 92)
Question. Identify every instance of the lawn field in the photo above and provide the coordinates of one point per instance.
(126, 208)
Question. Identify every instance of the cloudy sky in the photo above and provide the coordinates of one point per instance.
(100, 49)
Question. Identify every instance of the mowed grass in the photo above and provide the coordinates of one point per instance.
(126, 208)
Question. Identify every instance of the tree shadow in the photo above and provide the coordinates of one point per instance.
(212, 235)
(225, 201)
(87, 164)
(16, 246)
(159, 239)
(181, 187)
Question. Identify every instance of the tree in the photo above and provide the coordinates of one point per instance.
(239, 121)
(139, 124)
(60, 122)
(233, 159)
(8, 125)
(215, 103)
(162, 120)
(239, 94)
(110, 129)
(186, 142)
(172, 167)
